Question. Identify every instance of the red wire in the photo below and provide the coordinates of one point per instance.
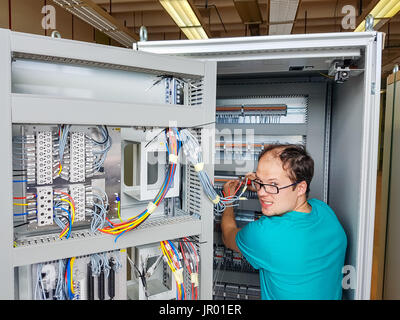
(238, 187)
(19, 198)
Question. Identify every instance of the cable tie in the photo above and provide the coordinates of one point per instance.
(199, 167)
(178, 274)
(216, 200)
(194, 278)
(173, 158)
(151, 207)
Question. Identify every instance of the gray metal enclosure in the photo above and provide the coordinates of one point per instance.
(67, 82)
(343, 118)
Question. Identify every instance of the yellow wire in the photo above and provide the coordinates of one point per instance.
(59, 172)
(119, 229)
(119, 211)
(164, 250)
(72, 218)
(20, 204)
(179, 289)
(170, 263)
(71, 265)
(62, 234)
(72, 209)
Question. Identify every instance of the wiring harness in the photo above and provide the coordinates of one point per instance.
(192, 150)
(173, 145)
(174, 261)
(178, 257)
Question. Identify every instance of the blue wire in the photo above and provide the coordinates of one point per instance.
(20, 180)
(69, 219)
(173, 248)
(21, 214)
(119, 236)
(68, 279)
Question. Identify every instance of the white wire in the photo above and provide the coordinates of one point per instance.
(59, 293)
(192, 151)
(39, 283)
(99, 218)
(106, 264)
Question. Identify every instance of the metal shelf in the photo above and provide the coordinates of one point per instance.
(47, 248)
(29, 108)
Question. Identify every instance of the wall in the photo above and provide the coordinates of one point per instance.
(26, 16)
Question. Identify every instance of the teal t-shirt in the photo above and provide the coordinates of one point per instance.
(299, 255)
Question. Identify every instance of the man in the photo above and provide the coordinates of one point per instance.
(298, 245)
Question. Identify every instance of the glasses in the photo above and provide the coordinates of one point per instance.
(270, 188)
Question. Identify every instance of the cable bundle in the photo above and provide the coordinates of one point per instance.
(99, 211)
(101, 148)
(191, 260)
(64, 219)
(69, 283)
(63, 133)
(173, 145)
(60, 293)
(192, 150)
(174, 261)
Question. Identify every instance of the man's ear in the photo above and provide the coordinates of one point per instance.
(301, 188)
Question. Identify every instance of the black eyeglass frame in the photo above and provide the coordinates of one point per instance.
(262, 185)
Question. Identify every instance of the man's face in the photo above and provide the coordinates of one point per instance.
(270, 171)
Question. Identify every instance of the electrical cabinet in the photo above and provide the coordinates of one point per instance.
(320, 90)
(90, 138)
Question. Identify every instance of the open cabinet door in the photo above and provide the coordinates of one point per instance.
(47, 82)
(345, 146)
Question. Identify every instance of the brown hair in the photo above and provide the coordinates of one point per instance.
(295, 160)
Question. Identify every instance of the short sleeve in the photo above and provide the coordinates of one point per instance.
(252, 243)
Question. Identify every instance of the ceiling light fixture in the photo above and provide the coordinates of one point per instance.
(384, 9)
(187, 17)
(94, 15)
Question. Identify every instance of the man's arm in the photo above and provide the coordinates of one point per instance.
(228, 223)
(229, 229)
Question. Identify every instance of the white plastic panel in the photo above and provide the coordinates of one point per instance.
(44, 206)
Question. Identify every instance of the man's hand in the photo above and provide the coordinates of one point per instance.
(230, 187)
(251, 176)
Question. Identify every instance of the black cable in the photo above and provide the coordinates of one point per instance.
(20, 225)
(141, 276)
(90, 281)
(180, 128)
(105, 139)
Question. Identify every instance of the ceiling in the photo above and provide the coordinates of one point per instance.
(227, 18)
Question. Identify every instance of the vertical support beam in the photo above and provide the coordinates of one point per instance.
(207, 215)
(6, 214)
(369, 165)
